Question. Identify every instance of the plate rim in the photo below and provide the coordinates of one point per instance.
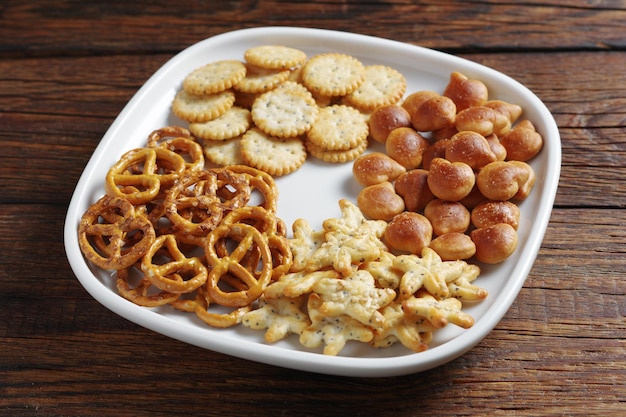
(312, 361)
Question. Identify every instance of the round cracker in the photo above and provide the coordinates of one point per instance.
(223, 152)
(275, 56)
(338, 127)
(333, 74)
(260, 80)
(234, 122)
(382, 86)
(201, 108)
(274, 155)
(214, 77)
(336, 157)
(286, 111)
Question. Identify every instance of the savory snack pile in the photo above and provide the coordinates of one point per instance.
(189, 220)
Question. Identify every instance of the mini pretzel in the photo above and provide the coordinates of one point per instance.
(156, 137)
(245, 238)
(188, 149)
(142, 294)
(169, 274)
(192, 204)
(261, 182)
(268, 224)
(146, 169)
(122, 241)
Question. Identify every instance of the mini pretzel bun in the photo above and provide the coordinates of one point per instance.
(380, 201)
(408, 232)
(387, 118)
(466, 92)
(502, 180)
(450, 181)
(453, 246)
(523, 142)
(375, 168)
(494, 243)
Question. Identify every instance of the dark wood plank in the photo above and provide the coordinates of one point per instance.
(77, 28)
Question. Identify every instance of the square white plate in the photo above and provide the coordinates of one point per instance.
(313, 193)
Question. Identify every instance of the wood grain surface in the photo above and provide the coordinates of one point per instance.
(67, 68)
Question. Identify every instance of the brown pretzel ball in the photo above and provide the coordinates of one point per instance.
(450, 181)
(488, 213)
(406, 146)
(523, 142)
(471, 148)
(435, 150)
(445, 133)
(376, 167)
(412, 186)
(479, 119)
(510, 110)
(496, 147)
(474, 198)
(414, 100)
(465, 92)
(527, 186)
(495, 243)
(501, 180)
(447, 216)
(387, 118)
(408, 232)
(380, 201)
(434, 113)
(453, 246)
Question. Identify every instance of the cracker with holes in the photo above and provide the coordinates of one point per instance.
(234, 122)
(195, 108)
(260, 80)
(287, 111)
(338, 128)
(333, 74)
(275, 155)
(382, 86)
(223, 152)
(278, 57)
(214, 77)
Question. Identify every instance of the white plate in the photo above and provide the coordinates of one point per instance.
(312, 193)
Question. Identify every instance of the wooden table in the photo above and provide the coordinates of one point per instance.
(68, 68)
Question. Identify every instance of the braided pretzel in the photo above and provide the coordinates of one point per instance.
(244, 238)
(170, 275)
(112, 235)
(147, 170)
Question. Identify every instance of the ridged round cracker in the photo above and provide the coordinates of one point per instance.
(333, 74)
(274, 155)
(275, 56)
(223, 152)
(214, 77)
(260, 80)
(234, 122)
(286, 111)
(201, 108)
(336, 157)
(338, 128)
(382, 86)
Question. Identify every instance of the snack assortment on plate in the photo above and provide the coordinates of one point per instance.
(190, 219)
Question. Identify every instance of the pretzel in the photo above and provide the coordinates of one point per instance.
(141, 293)
(146, 169)
(192, 205)
(244, 238)
(269, 225)
(155, 138)
(262, 182)
(118, 243)
(169, 273)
